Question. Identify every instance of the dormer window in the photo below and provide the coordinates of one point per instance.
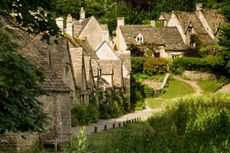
(139, 39)
(190, 28)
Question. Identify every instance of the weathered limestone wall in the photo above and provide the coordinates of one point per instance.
(57, 105)
(195, 75)
(105, 52)
(119, 41)
(18, 142)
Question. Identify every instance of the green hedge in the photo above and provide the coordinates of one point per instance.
(137, 64)
(213, 64)
(82, 114)
(153, 66)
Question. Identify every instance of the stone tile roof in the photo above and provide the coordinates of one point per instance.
(32, 48)
(166, 15)
(80, 26)
(87, 48)
(95, 67)
(168, 36)
(185, 18)
(113, 67)
(106, 67)
(214, 18)
(104, 26)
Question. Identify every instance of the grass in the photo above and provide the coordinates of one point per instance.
(174, 89)
(142, 77)
(209, 86)
(115, 140)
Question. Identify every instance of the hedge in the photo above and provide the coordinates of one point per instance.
(137, 64)
(213, 64)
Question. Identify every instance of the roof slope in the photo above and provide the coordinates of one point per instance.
(214, 19)
(168, 36)
(32, 50)
(185, 18)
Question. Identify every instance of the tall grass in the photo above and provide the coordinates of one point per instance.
(193, 124)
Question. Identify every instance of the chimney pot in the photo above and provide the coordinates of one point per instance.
(199, 6)
(120, 21)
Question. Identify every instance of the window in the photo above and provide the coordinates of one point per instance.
(139, 39)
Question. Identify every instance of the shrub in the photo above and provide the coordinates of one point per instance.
(154, 66)
(137, 92)
(110, 110)
(137, 64)
(213, 64)
(148, 91)
(84, 114)
(135, 50)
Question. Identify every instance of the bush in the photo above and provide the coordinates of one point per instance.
(137, 64)
(213, 64)
(84, 114)
(137, 93)
(148, 92)
(154, 66)
(110, 110)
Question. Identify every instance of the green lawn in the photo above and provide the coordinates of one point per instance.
(209, 86)
(174, 89)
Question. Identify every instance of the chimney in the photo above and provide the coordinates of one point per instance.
(153, 23)
(60, 23)
(199, 6)
(82, 14)
(120, 21)
(69, 25)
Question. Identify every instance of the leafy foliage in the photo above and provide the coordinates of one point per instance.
(84, 114)
(213, 64)
(34, 15)
(124, 140)
(137, 64)
(193, 124)
(154, 66)
(137, 93)
(20, 84)
(79, 143)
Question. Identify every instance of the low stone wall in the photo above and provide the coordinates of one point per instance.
(18, 142)
(195, 75)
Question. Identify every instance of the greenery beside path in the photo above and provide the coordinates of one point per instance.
(174, 89)
(191, 124)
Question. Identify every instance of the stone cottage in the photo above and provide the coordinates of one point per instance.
(94, 38)
(167, 40)
(58, 84)
(203, 22)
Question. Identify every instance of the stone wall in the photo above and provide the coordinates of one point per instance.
(18, 142)
(195, 75)
(57, 105)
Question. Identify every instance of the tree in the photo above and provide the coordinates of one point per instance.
(224, 39)
(34, 15)
(20, 80)
(19, 86)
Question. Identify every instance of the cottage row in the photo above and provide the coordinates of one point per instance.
(174, 38)
(87, 59)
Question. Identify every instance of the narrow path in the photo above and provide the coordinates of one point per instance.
(140, 115)
(194, 84)
(225, 89)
